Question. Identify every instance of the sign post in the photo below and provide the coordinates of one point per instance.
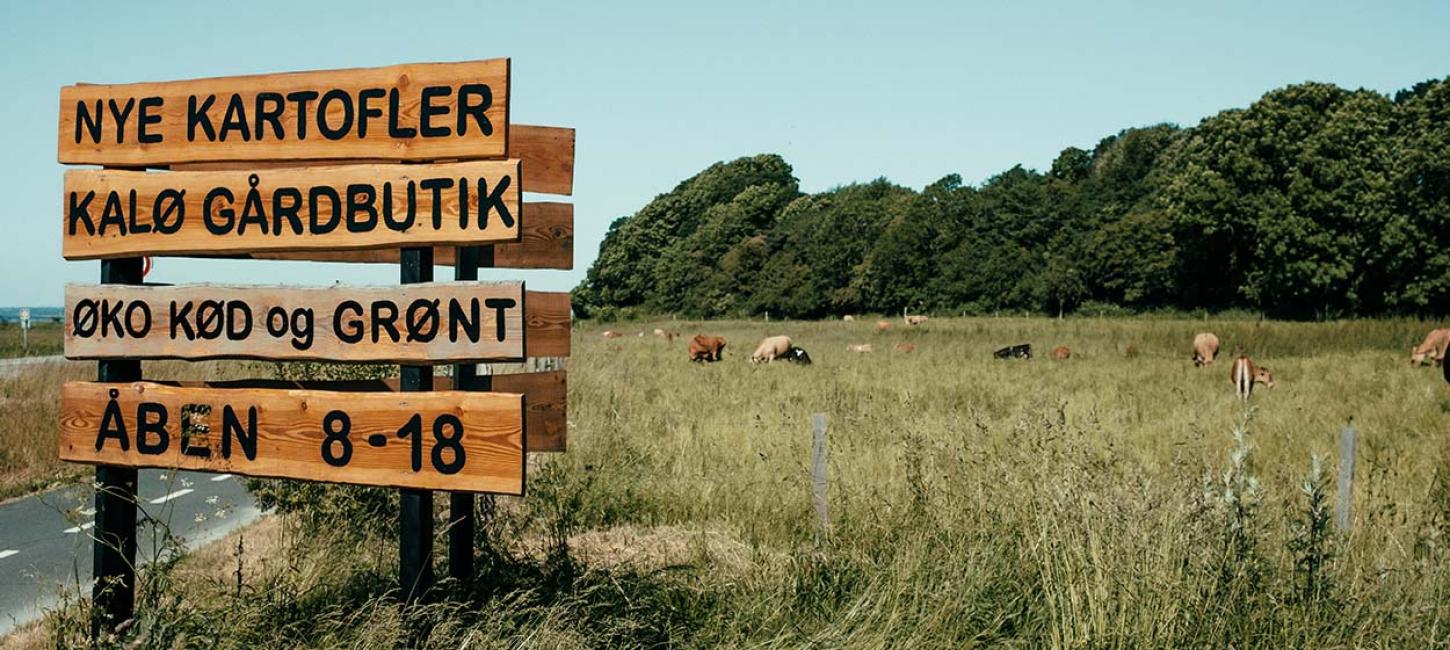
(113, 561)
(415, 541)
(304, 166)
(461, 524)
(25, 331)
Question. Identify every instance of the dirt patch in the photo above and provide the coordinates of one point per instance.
(661, 547)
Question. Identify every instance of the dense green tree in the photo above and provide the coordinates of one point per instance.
(1283, 201)
(1416, 241)
(624, 273)
(1313, 201)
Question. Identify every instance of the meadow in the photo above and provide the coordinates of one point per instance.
(1110, 500)
(44, 338)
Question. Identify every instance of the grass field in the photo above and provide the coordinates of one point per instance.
(1105, 501)
(45, 338)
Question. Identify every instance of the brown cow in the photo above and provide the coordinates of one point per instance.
(1205, 348)
(611, 334)
(860, 348)
(1245, 374)
(665, 336)
(905, 347)
(1434, 347)
(770, 348)
(882, 326)
(1060, 353)
(707, 348)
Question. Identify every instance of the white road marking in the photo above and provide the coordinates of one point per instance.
(177, 494)
(7, 553)
(76, 529)
(221, 477)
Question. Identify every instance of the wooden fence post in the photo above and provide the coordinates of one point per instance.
(415, 542)
(1346, 477)
(818, 471)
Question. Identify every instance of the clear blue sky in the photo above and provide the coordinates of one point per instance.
(845, 91)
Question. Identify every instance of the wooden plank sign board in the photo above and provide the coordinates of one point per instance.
(546, 151)
(453, 440)
(547, 408)
(546, 241)
(110, 213)
(416, 323)
(427, 111)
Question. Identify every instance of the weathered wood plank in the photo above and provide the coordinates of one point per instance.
(426, 111)
(110, 213)
(546, 242)
(463, 441)
(546, 404)
(548, 318)
(546, 152)
(424, 323)
(546, 407)
(546, 398)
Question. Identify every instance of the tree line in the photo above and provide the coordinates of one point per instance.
(1313, 202)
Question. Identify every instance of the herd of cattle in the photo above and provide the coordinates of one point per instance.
(1244, 373)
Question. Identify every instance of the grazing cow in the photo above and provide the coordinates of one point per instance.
(1205, 348)
(848, 318)
(859, 348)
(796, 355)
(1022, 351)
(611, 334)
(707, 348)
(1245, 375)
(915, 320)
(770, 348)
(1433, 348)
(668, 337)
(1131, 351)
(905, 347)
(882, 326)
(1059, 353)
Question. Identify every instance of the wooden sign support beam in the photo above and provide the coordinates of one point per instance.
(114, 549)
(415, 543)
(461, 524)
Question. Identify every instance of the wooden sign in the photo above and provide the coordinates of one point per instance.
(454, 440)
(546, 241)
(546, 407)
(546, 151)
(416, 323)
(546, 397)
(430, 111)
(110, 213)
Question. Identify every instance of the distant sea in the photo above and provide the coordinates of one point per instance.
(37, 314)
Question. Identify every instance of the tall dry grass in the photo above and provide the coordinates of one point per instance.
(1105, 501)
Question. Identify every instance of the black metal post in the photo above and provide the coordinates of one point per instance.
(415, 542)
(113, 553)
(461, 524)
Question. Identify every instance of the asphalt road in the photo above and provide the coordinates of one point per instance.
(45, 539)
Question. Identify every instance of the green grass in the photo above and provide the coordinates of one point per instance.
(1105, 501)
(45, 338)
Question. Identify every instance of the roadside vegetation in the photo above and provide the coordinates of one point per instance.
(1111, 500)
(46, 339)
